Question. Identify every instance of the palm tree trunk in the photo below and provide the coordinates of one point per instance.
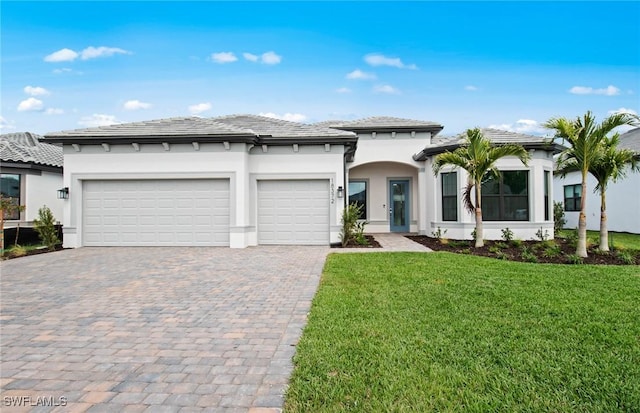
(581, 249)
(479, 227)
(604, 233)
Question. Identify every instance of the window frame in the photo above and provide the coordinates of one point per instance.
(575, 200)
(547, 196)
(447, 218)
(365, 211)
(502, 196)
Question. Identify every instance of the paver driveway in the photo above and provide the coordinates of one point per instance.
(153, 329)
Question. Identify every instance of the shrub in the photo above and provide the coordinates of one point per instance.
(501, 245)
(45, 226)
(494, 249)
(507, 234)
(502, 256)
(552, 251)
(17, 251)
(352, 230)
(574, 259)
(542, 236)
(572, 238)
(516, 243)
(626, 257)
(528, 256)
(558, 216)
(438, 234)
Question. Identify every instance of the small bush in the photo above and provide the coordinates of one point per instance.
(572, 238)
(516, 243)
(552, 251)
(457, 244)
(45, 226)
(502, 256)
(501, 245)
(17, 251)
(507, 234)
(494, 249)
(542, 236)
(439, 233)
(626, 257)
(558, 216)
(528, 256)
(574, 259)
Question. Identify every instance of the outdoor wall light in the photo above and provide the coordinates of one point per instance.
(63, 193)
(340, 192)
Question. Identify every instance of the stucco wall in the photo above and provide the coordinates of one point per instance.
(242, 165)
(42, 190)
(623, 203)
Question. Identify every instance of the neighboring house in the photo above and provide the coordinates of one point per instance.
(245, 180)
(30, 173)
(623, 197)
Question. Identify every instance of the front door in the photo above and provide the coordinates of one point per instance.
(399, 205)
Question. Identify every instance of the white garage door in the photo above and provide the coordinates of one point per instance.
(293, 212)
(156, 212)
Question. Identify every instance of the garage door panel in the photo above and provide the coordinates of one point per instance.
(156, 212)
(293, 212)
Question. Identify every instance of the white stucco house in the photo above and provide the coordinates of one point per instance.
(244, 180)
(623, 197)
(31, 174)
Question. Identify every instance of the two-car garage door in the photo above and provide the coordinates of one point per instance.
(156, 212)
(195, 212)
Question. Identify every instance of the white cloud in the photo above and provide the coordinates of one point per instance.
(470, 88)
(66, 70)
(36, 91)
(29, 105)
(360, 75)
(54, 111)
(587, 90)
(135, 105)
(526, 126)
(386, 89)
(62, 55)
(97, 119)
(270, 58)
(102, 51)
(343, 90)
(223, 57)
(199, 108)
(375, 59)
(5, 124)
(291, 117)
(250, 57)
(623, 110)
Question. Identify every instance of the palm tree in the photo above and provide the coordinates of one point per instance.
(478, 157)
(611, 166)
(585, 139)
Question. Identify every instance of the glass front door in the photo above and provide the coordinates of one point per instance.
(399, 205)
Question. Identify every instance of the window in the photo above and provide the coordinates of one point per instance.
(10, 188)
(358, 196)
(572, 197)
(506, 198)
(450, 196)
(547, 204)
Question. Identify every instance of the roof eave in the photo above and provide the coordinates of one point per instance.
(126, 139)
(430, 151)
(417, 128)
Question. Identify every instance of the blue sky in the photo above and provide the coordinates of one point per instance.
(68, 65)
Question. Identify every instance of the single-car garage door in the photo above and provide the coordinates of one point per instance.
(156, 212)
(293, 212)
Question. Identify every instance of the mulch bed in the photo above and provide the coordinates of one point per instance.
(530, 251)
(372, 243)
(44, 250)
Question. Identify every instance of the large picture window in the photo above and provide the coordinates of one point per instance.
(10, 188)
(450, 196)
(572, 197)
(358, 196)
(506, 198)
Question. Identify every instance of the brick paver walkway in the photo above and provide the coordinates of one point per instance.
(153, 329)
(157, 329)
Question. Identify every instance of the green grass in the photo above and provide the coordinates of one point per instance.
(621, 240)
(444, 332)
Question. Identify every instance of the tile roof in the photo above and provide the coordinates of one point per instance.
(388, 123)
(497, 136)
(278, 128)
(251, 128)
(631, 140)
(187, 126)
(26, 147)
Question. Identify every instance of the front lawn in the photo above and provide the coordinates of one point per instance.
(440, 331)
